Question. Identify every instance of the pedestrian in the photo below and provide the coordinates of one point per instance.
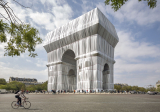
(74, 91)
(87, 90)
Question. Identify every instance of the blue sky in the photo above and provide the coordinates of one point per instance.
(137, 54)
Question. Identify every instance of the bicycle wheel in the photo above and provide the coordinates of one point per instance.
(26, 104)
(14, 105)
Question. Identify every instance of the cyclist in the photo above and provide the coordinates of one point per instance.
(18, 96)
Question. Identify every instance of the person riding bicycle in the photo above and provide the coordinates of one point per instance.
(18, 96)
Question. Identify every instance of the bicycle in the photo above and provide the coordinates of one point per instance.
(25, 104)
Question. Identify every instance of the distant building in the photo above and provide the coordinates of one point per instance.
(121, 84)
(157, 83)
(26, 81)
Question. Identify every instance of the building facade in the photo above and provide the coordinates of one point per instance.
(81, 54)
(26, 81)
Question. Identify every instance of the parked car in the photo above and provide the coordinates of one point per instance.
(152, 93)
(158, 93)
(140, 92)
(133, 92)
(3, 91)
(148, 92)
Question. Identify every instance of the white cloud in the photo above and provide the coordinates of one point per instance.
(129, 48)
(122, 66)
(86, 7)
(6, 72)
(28, 60)
(132, 65)
(40, 63)
(134, 11)
(75, 1)
(60, 14)
(130, 52)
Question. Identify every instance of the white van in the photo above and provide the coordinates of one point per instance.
(3, 91)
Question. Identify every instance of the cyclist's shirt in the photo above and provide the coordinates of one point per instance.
(20, 93)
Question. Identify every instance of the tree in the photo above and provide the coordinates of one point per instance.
(158, 88)
(152, 88)
(127, 88)
(13, 86)
(22, 36)
(16, 85)
(136, 88)
(31, 88)
(44, 85)
(116, 4)
(117, 87)
(3, 81)
(142, 89)
(38, 87)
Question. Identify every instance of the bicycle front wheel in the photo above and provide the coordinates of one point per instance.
(14, 105)
(26, 104)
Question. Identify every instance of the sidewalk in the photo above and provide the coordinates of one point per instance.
(79, 93)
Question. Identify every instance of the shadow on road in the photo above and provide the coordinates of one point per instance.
(29, 109)
(34, 109)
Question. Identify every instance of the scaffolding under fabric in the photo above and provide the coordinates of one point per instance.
(81, 54)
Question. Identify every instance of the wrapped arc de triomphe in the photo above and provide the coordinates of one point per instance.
(81, 54)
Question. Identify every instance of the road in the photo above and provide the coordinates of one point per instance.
(84, 103)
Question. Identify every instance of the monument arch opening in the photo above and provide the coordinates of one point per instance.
(105, 76)
(69, 63)
(72, 80)
(69, 57)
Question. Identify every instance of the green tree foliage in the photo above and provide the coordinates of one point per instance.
(130, 88)
(22, 38)
(18, 86)
(116, 4)
(44, 85)
(151, 89)
(136, 88)
(127, 88)
(38, 87)
(13, 86)
(142, 89)
(3, 81)
(117, 87)
(158, 88)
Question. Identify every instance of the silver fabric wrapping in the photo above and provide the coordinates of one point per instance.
(81, 54)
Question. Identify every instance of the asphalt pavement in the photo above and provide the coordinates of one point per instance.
(84, 103)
